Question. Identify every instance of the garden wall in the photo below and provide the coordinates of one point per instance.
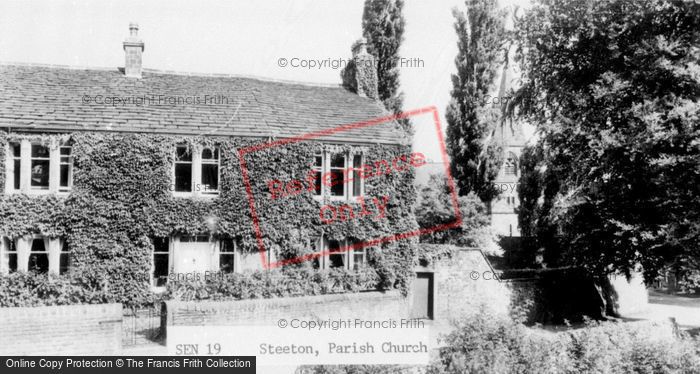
(466, 284)
(60, 330)
(364, 305)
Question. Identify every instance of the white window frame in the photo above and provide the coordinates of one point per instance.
(196, 173)
(25, 172)
(63, 250)
(5, 243)
(349, 254)
(348, 177)
(235, 254)
(53, 247)
(69, 164)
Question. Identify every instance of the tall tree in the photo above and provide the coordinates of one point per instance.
(613, 88)
(383, 26)
(480, 39)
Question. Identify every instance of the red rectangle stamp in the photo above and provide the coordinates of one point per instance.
(339, 179)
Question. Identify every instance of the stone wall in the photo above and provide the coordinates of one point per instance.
(364, 305)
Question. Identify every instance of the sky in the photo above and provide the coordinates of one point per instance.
(238, 37)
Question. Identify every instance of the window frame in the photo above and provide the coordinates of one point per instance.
(68, 164)
(234, 254)
(19, 168)
(46, 252)
(196, 175)
(8, 247)
(217, 152)
(168, 255)
(349, 171)
(349, 254)
(33, 158)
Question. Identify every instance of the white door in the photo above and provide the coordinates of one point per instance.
(193, 255)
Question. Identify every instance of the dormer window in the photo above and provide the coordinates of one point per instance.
(196, 171)
(35, 168)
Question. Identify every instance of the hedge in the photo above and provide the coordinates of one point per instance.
(274, 283)
(33, 289)
(488, 344)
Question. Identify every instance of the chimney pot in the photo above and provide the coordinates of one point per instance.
(133, 51)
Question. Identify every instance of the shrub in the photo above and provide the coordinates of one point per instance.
(487, 344)
(292, 281)
(31, 289)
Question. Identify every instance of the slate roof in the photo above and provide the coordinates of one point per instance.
(38, 98)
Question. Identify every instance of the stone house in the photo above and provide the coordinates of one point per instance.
(100, 162)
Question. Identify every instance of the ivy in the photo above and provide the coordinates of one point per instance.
(122, 198)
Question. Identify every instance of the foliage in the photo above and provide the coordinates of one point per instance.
(537, 189)
(613, 88)
(356, 369)
(485, 343)
(480, 35)
(383, 26)
(435, 207)
(32, 289)
(288, 282)
(122, 198)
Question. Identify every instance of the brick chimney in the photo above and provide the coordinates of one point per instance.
(133, 49)
(365, 70)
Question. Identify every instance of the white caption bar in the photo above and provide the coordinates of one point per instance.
(276, 346)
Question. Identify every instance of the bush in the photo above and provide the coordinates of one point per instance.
(487, 344)
(292, 281)
(32, 289)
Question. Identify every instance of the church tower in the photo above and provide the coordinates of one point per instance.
(509, 135)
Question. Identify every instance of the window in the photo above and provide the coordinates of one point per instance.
(66, 169)
(336, 258)
(37, 168)
(227, 256)
(356, 179)
(8, 255)
(317, 172)
(337, 175)
(183, 169)
(34, 254)
(38, 256)
(161, 257)
(196, 172)
(511, 164)
(40, 162)
(340, 255)
(16, 162)
(359, 258)
(210, 171)
(64, 259)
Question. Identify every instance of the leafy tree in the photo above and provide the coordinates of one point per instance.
(435, 208)
(613, 87)
(480, 35)
(537, 188)
(383, 26)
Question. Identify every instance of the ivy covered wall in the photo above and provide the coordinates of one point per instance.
(121, 198)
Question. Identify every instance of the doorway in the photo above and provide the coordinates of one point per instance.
(423, 293)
